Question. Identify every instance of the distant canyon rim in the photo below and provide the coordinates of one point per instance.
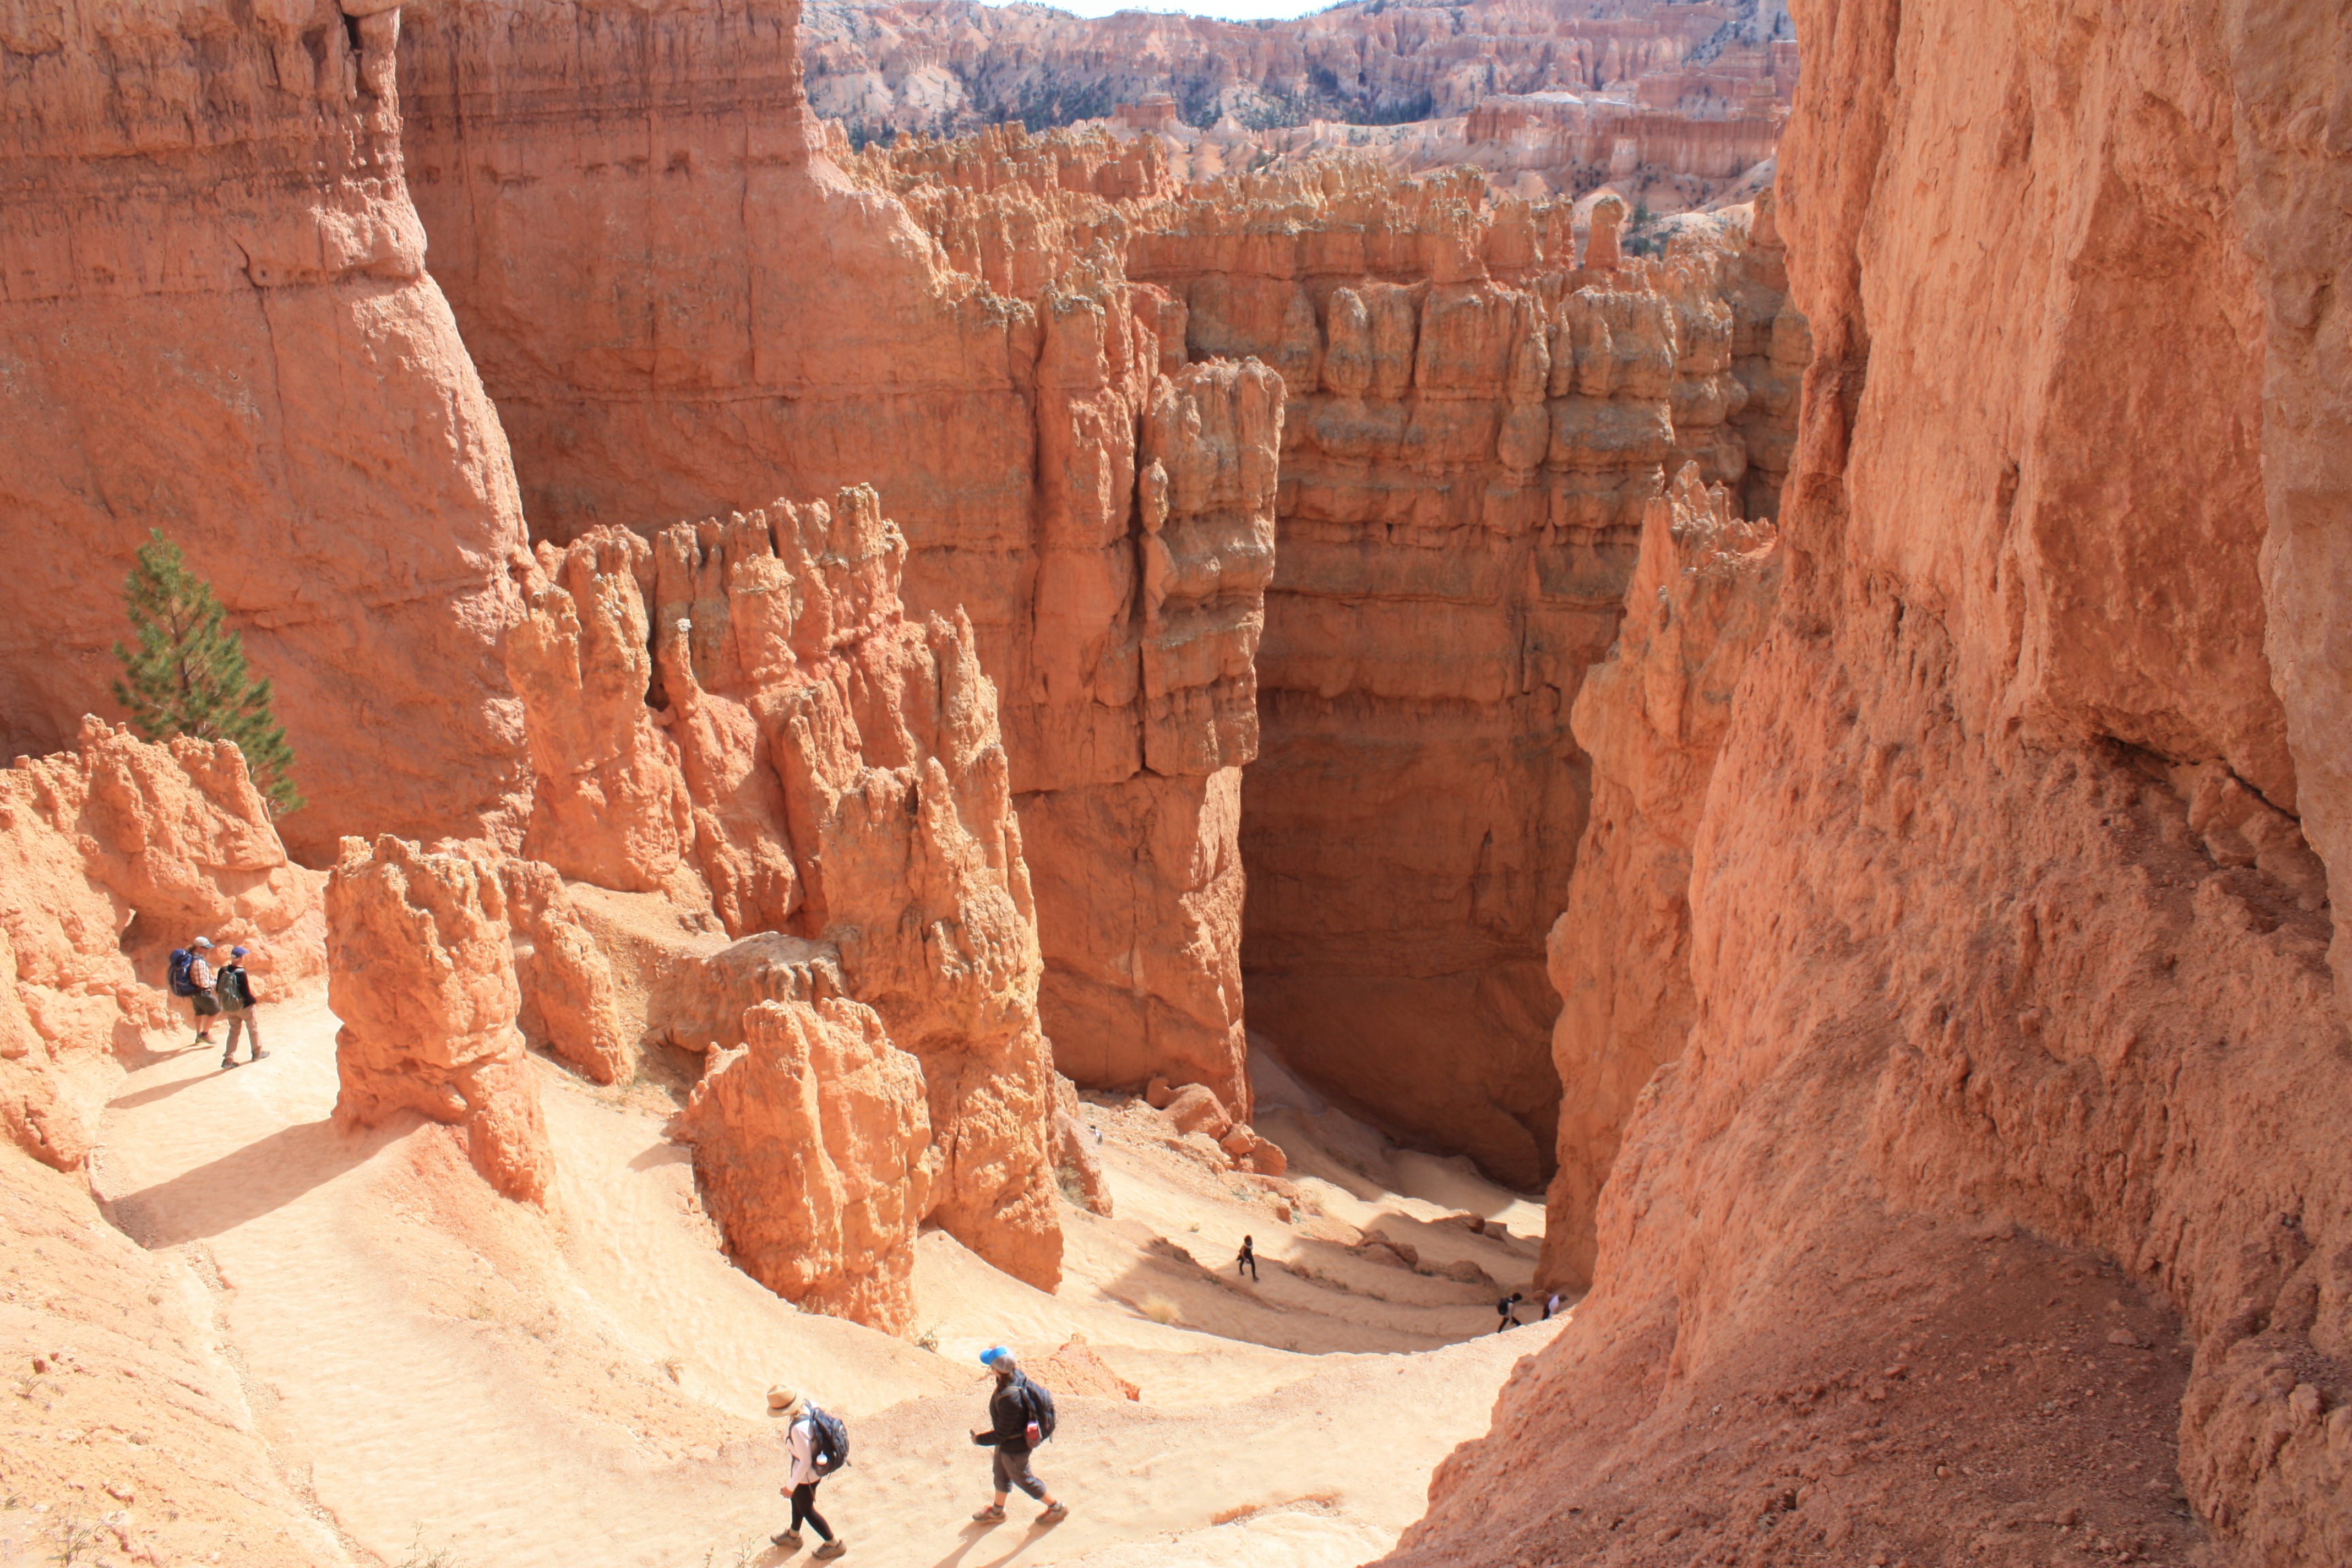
(1738, 612)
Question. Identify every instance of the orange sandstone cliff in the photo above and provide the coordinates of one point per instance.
(825, 766)
(1996, 1203)
(215, 310)
(748, 321)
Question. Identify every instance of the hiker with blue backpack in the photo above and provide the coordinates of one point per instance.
(191, 980)
(1020, 1416)
(820, 1446)
(233, 988)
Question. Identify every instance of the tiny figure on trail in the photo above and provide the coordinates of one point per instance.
(234, 990)
(1020, 1416)
(1552, 1307)
(819, 1445)
(1507, 1310)
(190, 979)
(1248, 1259)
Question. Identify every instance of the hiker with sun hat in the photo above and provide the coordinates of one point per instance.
(820, 1446)
(1020, 1416)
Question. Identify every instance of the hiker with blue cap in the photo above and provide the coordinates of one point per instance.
(234, 988)
(1020, 1416)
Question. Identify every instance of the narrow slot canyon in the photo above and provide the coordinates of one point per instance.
(1424, 665)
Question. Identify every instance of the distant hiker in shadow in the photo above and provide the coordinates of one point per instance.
(1507, 1308)
(233, 988)
(1020, 1416)
(819, 1444)
(1552, 1307)
(1248, 1259)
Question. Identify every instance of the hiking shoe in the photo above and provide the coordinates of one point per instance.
(790, 1539)
(227, 1062)
(993, 1514)
(830, 1549)
(258, 1054)
(1056, 1514)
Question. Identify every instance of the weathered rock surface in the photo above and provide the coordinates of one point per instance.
(958, 66)
(118, 851)
(569, 999)
(1975, 945)
(813, 1145)
(844, 777)
(1651, 719)
(422, 974)
(749, 320)
(1475, 425)
(218, 323)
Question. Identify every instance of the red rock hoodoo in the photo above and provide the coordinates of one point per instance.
(218, 323)
(117, 852)
(823, 766)
(1101, 511)
(2002, 1166)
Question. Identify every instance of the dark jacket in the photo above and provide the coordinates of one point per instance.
(1010, 1410)
(234, 990)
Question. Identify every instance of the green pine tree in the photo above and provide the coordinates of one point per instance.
(188, 676)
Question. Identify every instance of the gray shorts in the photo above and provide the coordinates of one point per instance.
(1012, 1470)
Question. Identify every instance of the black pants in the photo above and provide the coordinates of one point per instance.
(804, 1508)
(1246, 1260)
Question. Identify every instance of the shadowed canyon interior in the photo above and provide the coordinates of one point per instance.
(1823, 749)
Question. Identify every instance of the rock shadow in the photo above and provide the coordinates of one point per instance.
(246, 1183)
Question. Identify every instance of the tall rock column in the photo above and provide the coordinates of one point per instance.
(1651, 718)
(846, 782)
(748, 320)
(216, 323)
(421, 972)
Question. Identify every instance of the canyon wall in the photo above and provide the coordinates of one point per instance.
(747, 321)
(118, 851)
(1476, 426)
(215, 320)
(1998, 1191)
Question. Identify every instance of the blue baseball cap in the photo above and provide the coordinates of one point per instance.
(993, 1353)
(236, 952)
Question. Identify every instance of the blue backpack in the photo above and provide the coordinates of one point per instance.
(180, 985)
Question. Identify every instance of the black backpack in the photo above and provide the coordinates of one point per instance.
(829, 1440)
(1041, 1408)
(180, 985)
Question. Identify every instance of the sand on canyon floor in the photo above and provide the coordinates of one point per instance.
(437, 1371)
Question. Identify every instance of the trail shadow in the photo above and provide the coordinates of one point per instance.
(246, 1183)
(161, 1091)
(976, 1533)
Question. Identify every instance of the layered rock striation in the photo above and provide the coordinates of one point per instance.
(748, 321)
(423, 978)
(795, 754)
(118, 851)
(954, 69)
(2009, 956)
(213, 303)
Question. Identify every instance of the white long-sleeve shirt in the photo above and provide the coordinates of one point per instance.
(803, 1442)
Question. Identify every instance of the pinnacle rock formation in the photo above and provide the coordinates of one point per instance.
(2007, 1123)
(824, 767)
(813, 1142)
(118, 851)
(422, 976)
(1100, 509)
(1651, 717)
(219, 323)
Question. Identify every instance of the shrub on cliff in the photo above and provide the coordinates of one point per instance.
(187, 676)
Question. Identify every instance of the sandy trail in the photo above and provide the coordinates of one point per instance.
(435, 1368)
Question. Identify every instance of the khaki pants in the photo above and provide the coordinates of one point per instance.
(237, 1016)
